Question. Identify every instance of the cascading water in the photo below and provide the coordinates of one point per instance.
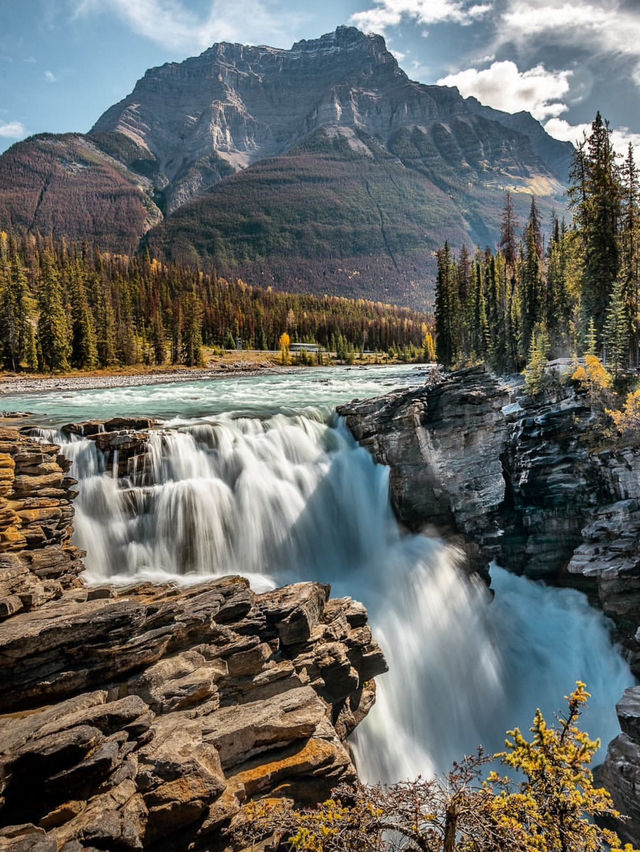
(290, 497)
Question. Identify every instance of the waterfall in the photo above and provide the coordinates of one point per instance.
(284, 498)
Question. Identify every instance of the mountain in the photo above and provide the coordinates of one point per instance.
(321, 168)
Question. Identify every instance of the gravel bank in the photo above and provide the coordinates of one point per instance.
(18, 386)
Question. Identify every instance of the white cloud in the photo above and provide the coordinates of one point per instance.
(603, 26)
(504, 87)
(559, 128)
(389, 13)
(13, 130)
(50, 77)
(173, 25)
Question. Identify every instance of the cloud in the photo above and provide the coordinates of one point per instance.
(604, 26)
(504, 87)
(389, 13)
(173, 25)
(559, 128)
(13, 130)
(50, 77)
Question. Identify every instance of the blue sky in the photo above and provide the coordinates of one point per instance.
(63, 62)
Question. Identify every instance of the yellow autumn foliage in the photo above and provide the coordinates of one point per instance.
(552, 809)
(627, 421)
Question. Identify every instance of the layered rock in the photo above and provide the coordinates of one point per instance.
(38, 562)
(620, 773)
(552, 485)
(443, 443)
(517, 482)
(564, 512)
(146, 716)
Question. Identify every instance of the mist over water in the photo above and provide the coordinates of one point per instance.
(288, 495)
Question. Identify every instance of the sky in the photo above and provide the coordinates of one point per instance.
(63, 62)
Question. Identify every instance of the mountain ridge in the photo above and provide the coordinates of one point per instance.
(323, 164)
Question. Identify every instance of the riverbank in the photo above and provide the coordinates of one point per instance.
(232, 363)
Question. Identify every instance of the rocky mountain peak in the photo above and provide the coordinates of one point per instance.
(329, 150)
(346, 39)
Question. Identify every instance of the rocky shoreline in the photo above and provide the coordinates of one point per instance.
(146, 717)
(21, 386)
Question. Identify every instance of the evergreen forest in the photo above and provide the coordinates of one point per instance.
(67, 306)
(574, 292)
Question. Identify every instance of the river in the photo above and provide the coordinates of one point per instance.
(257, 476)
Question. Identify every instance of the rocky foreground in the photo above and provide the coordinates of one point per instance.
(513, 479)
(147, 716)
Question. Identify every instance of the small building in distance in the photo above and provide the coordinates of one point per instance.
(304, 347)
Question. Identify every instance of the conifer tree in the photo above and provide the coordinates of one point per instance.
(630, 251)
(508, 245)
(158, 341)
(105, 328)
(616, 330)
(447, 308)
(191, 332)
(596, 198)
(53, 329)
(84, 352)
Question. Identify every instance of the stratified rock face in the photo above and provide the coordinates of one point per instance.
(320, 168)
(145, 717)
(567, 514)
(519, 483)
(443, 443)
(37, 559)
(552, 486)
(620, 773)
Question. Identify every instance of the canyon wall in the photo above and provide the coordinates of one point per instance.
(517, 480)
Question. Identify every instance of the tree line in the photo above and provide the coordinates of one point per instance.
(577, 291)
(72, 306)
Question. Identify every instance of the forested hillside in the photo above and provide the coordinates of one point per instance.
(578, 293)
(65, 306)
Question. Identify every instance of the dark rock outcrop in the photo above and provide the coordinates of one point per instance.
(620, 773)
(443, 443)
(146, 717)
(566, 513)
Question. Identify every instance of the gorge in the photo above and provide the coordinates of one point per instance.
(259, 477)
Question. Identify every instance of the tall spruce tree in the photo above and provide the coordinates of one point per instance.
(531, 286)
(629, 273)
(84, 351)
(616, 330)
(53, 328)
(447, 308)
(595, 196)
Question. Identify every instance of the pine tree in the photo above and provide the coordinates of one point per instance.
(84, 352)
(191, 331)
(596, 198)
(53, 328)
(508, 232)
(105, 328)
(616, 330)
(531, 288)
(447, 309)
(158, 341)
(630, 251)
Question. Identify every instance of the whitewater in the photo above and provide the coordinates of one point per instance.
(258, 476)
